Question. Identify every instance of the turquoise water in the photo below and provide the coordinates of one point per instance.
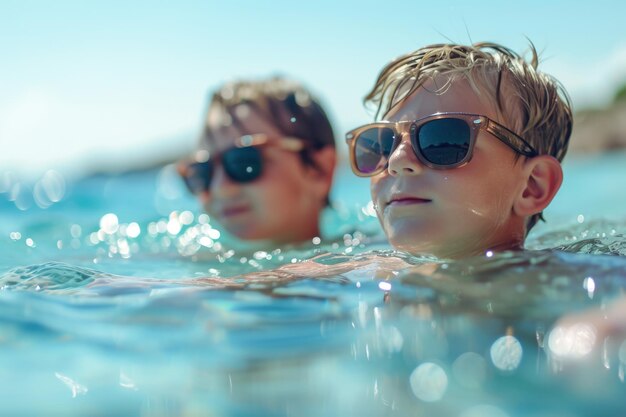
(104, 312)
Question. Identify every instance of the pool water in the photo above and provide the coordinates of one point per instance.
(105, 309)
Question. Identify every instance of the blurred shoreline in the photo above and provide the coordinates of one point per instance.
(599, 130)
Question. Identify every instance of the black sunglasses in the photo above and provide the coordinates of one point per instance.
(439, 141)
(242, 163)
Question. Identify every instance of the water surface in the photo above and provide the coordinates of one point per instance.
(121, 298)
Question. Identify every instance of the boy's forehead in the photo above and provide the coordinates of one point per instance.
(228, 128)
(434, 96)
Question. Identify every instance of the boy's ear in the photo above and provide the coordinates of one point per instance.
(325, 160)
(544, 176)
(324, 168)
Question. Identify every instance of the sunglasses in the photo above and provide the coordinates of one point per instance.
(439, 141)
(242, 163)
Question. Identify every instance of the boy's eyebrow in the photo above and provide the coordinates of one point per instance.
(401, 110)
(402, 114)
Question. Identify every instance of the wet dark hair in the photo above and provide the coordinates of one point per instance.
(283, 103)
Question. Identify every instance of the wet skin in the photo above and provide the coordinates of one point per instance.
(452, 212)
(281, 206)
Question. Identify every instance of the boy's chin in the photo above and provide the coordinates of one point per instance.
(442, 249)
(407, 244)
(413, 235)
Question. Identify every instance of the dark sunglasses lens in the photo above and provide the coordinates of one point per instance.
(444, 141)
(372, 149)
(243, 164)
(198, 177)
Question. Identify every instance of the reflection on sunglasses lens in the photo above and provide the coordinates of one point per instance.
(444, 141)
(240, 164)
(243, 164)
(198, 177)
(372, 148)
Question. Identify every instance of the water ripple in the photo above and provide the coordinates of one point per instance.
(49, 276)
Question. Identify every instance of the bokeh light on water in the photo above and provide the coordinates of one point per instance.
(48, 189)
(622, 361)
(470, 370)
(484, 410)
(179, 230)
(449, 345)
(506, 353)
(572, 342)
(429, 382)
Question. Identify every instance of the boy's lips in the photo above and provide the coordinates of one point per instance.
(235, 210)
(405, 200)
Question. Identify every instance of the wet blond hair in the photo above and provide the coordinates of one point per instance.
(531, 103)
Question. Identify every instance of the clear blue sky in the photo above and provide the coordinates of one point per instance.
(85, 83)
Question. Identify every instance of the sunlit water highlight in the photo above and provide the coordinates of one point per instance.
(104, 310)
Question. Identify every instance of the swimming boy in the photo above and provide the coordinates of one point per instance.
(265, 160)
(467, 155)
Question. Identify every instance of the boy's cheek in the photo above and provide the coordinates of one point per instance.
(377, 184)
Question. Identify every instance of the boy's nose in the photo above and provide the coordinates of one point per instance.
(222, 186)
(403, 160)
